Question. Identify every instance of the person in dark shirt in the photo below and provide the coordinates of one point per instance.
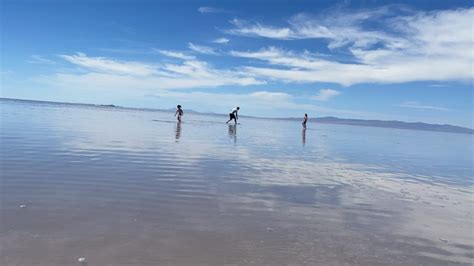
(179, 112)
(305, 119)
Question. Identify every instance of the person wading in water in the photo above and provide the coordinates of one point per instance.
(305, 119)
(179, 112)
(234, 115)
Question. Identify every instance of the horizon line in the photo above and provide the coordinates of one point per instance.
(211, 113)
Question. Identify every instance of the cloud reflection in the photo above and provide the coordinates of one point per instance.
(261, 177)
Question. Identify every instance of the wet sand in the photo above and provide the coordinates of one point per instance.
(127, 187)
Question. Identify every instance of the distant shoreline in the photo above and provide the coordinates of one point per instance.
(324, 120)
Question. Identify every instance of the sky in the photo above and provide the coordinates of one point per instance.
(388, 60)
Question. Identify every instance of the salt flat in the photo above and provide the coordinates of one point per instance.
(133, 187)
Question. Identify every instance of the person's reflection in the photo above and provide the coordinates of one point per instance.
(303, 136)
(178, 131)
(233, 132)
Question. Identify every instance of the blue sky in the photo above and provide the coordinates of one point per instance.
(405, 60)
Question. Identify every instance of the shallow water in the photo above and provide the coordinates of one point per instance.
(132, 187)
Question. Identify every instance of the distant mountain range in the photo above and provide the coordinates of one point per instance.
(323, 120)
(391, 124)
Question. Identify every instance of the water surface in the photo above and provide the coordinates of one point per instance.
(133, 187)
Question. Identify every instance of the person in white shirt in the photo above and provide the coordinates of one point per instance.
(234, 114)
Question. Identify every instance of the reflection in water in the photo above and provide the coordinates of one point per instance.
(303, 135)
(177, 131)
(233, 132)
(103, 184)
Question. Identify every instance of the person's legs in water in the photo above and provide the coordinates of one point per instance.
(231, 116)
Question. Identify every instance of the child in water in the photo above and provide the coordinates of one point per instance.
(305, 119)
(179, 112)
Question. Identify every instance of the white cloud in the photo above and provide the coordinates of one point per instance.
(37, 59)
(102, 64)
(417, 105)
(175, 54)
(271, 96)
(424, 46)
(202, 49)
(277, 56)
(106, 73)
(338, 27)
(326, 94)
(221, 40)
(305, 68)
(257, 30)
(208, 9)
